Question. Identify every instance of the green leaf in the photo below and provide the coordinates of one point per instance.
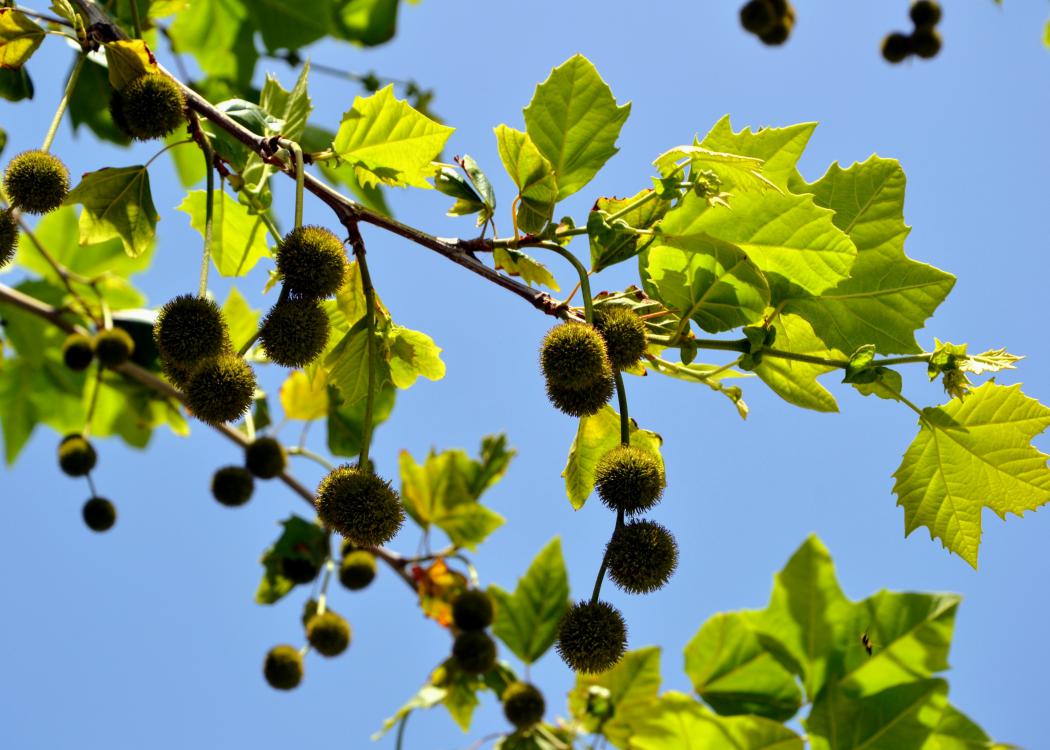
(303, 398)
(59, 233)
(596, 436)
(412, 354)
(969, 455)
(238, 239)
(132, 411)
(15, 85)
(574, 121)
(319, 139)
(219, 34)
(300, 539)
(89, 105)
(117, 203)
(527, 620)
(534, 176)
(387, 141)
(367, 22)
(428, 696)
(778, 148)
(796, 382)
(346, 421)
(290, 24)
(608, 702)
(899, 718)
(956, 731)
(347, 364)
(612, 244)
(126, 60)
(241, 319)
(517, 263)
(20, 36)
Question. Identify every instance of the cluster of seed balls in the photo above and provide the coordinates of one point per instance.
(924, 40)
(770, 20)
(328, 633)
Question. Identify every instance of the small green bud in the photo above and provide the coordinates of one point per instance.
(592, 637)
(77, 352)
(113, 346)
(283, 667)
(357, 570)
(221, 389)
(99, 514)
(641, 556)
(232, 486)
(523, 704)
(8, 237)
(312, 261)
(359, 505)
(294, 332)
(472, 610)
(474, 651)
(329, 633)
(36, 182)
(76, 456)
(624, 334)
(265, 457)
(148, 107)
(630, 479)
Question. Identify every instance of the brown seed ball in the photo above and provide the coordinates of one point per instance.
(624, 334)
(896, 47)
(357, 570)
(630, 479)
(113, 347)
(474, 651)
(472, 610)
(189, 330)
(312, 261)
(294, 332)
(8, 237)
(99, 514)
(265, 457)
(36, 182)
(642, 557)
(592, 637)
(359, 505)
(232, 486)
(150, 106)
(523, 704)
(573, 356)
(221, 389)
(76, 456)
(283, 667)
(77, 352)
(329, 633)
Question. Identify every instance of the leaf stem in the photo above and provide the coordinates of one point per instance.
(300, 178)
(322, 598)
(399, 743)
(631, 206)
(358, 243)
(135, 20)
(298, 450)
(42, 17)
(71, 84)
(585, 281)
(605, 560)
(94, 399)
(209, 210)
(625, 420)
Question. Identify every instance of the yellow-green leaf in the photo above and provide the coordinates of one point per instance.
(127, 60)
(19, 38)
(117, 203)
(534, 176)
(304, 399)
(238, 239)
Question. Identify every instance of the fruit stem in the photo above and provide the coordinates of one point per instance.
(398, 744)
(625, 420)
(585, 281)
(358, 244)
(605, 560)
(322, 598)
(135, 20)
(94, 400)
(91, 484)
(298, 450)
(300, 178)
(209, 210)
(66, 95)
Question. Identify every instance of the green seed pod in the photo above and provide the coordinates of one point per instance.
(359, 505)
(77, 352)
(328, 633)
(265, 457)
(523, 704)
(592, 637)
(357, 570)
(624, 334)
(312, 261)
(283, 667)
(8, 237)
(758, 15)
(630, 479)
(642, 556)
(76, 456)
(896, 47)
(232, 486)
(148, 107)
(474, 651)
(472, 610)
(926, 42)
(221, 389)
(113, 346)
(99, 514)
(925, 13)
(779, 32)
(581, 402)
(573, 356)
(190, 329)
(36, 182)
(294, 332)
(299, 570)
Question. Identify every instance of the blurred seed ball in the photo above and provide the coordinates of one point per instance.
(472, 610)
(629, 478)
(283, 667)
(113, 347)
(221, 389)
(77, 352)
(346, 547)
(8, 237)
(573, 356)
(99, 514)
(76, 456)
(299, 570)
(581, 402)
(896, 47)
(190, 329)
(624, 334)
(148, 107)
(116, 113)
(329, 633)
(926, 42)
(592, 637)
(232, 486)
(178, 375)
(265, 457)
(758, 15)
(523, 704)
(357, 570)
(925, 13)
(361, 506)
(312, 261)
(294, 332)
(474, 651)
(36, 182)
(642, 557)
(779, 32)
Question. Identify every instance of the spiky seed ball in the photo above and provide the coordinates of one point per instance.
(472, 610)
(523, 704)
(573, 356)
(629, 478)
(581, 402)
(357, 570)
(299, 569)
(624, 334)
(8, 237)
(346, 547)
(265, 457)
(77, 352)
(758, 15)
(232, 486)
(925, 13)
(283, 667)
(190, 329)
(474, 651)
(294, 332)
(926, 42)
(36, 182)
(896, 47)
(328, 633)
(592, 637)
(99, 514)
(76, 456)
(221, 389)
(778, 33)
(113, 346)
(359, 505)
(150, 107)
(312, 261)
(642, 557)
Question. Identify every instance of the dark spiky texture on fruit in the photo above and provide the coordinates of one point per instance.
(179, 375)
(357, 570)
(76, 456)
(642, 557)
(926, 42)
(523, 704)
(299, 569)
(328, 633)
(925, 13)
(312, 261)
(99, 514)
(346, 547)
(573, 356)
(294, 332)
(624, 334)
(581, 402)
(361, 506)
(36, 182)
(474, 651)
(265, 457)
(472, 610)
(778, 33)
(896, 47)
(757, 16)
(221, 389)
(113, 346)
(283, 667)
(150, 107)
(8, 237)
(592, 637)
(190, 329)
(232, 486)
(77, 352)
(630, 479)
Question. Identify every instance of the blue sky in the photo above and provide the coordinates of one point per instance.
(148, 634)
